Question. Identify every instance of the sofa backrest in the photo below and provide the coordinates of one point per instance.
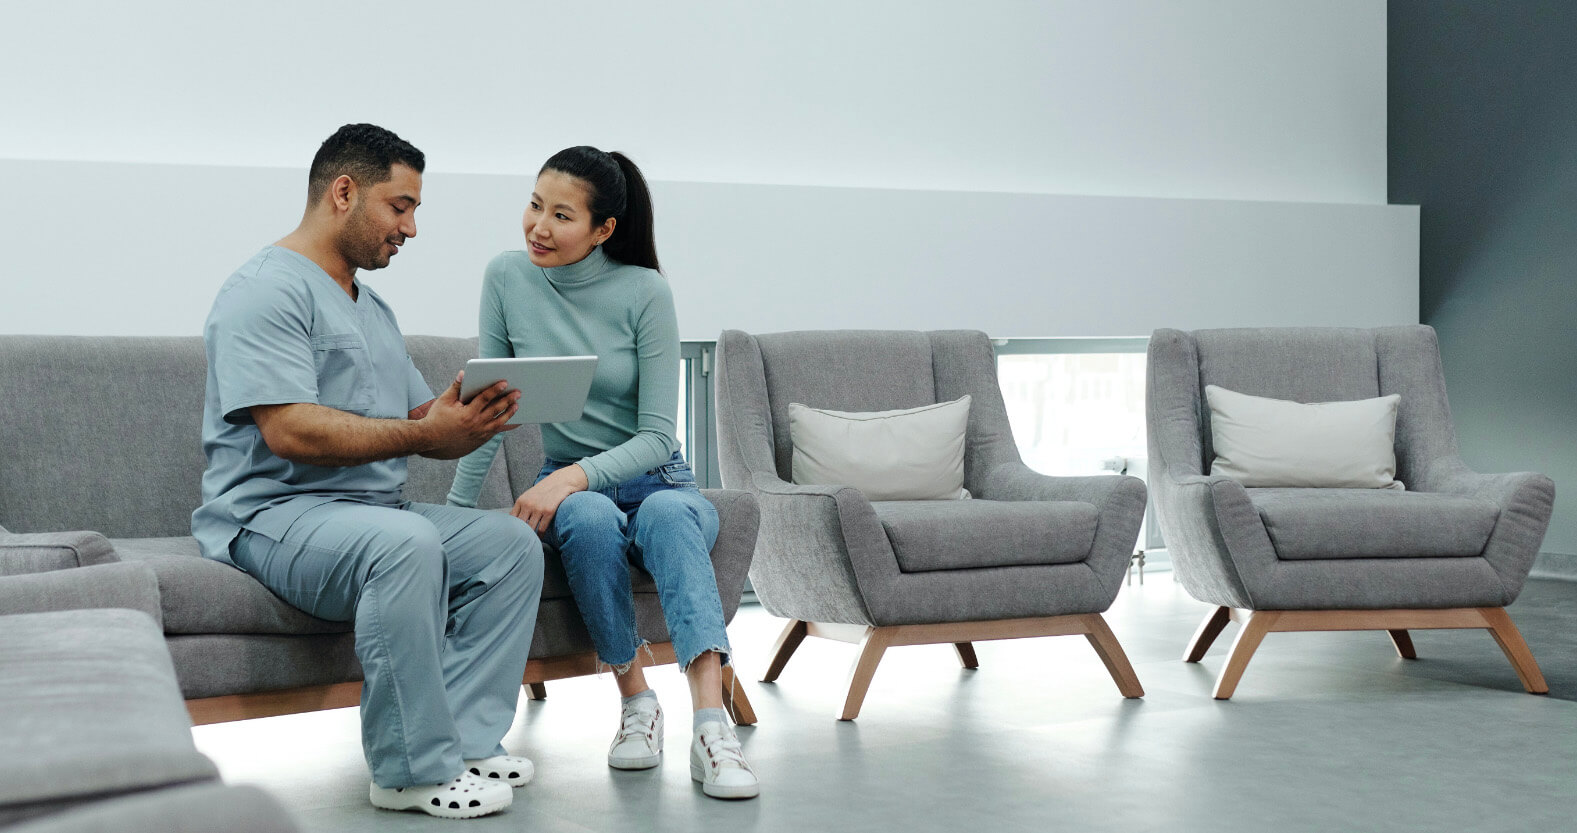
(105, 432)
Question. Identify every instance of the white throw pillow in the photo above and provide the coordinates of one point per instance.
(1273, 442)
(909, 454)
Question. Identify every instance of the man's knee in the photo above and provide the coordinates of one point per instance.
(405, 544)
(512, 539)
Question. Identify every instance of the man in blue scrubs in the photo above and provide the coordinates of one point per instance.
(313, 406)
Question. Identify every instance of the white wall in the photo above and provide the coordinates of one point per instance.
(215, 110)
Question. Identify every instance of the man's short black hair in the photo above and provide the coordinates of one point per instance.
(366, 152)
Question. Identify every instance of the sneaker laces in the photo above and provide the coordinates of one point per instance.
(724, 749)
(637, 725)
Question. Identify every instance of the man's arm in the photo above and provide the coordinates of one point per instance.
(445, 428)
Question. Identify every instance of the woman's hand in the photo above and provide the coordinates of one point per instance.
(541, 502)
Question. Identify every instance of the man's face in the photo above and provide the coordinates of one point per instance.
(381, 218)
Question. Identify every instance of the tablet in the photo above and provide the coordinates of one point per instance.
(553, 389)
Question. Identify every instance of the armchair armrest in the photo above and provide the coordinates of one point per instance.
(129, 584)
(1526, 501)
(738, 522)
(38, 552)
(818, 545)
(1120, 500)
(1215, 537)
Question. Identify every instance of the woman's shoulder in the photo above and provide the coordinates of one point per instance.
(646, 282)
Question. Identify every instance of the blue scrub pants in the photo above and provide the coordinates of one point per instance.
(444, 601)
(660, 522)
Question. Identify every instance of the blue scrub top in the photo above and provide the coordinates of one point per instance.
(280, 332)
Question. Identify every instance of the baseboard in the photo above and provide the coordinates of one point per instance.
(1555, 565)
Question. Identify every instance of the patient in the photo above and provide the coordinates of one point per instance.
(615, 490)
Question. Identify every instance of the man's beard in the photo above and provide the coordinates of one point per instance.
(360, 244)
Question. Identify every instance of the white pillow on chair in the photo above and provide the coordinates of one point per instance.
(1274, 442)
(908, 454)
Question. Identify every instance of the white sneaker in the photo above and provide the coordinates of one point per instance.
(639, 743)
(465, 797)
(514, 770)
(717, 761)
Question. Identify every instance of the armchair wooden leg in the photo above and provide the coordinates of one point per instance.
(871, 649)
(788, 640)
(1207, 633)
(1403, 643)
(536, 691)
(1111, 653)
(734, 699)
(1510, 641)
(1253, 632)
(966, 654)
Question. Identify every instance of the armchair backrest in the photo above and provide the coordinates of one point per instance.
(851, 370)
(1303, 364)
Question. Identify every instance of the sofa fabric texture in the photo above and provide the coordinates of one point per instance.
(132, 473)
(828, 554)
(107, 668)
(1219, 533)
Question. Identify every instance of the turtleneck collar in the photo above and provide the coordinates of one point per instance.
(582, 271)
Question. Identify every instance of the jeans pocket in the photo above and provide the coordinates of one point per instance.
(677, 474)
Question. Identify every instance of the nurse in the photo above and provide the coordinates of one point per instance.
(615, 490)
(312, 407)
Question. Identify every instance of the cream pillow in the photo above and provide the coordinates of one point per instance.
(910, 454)
(1273, 442)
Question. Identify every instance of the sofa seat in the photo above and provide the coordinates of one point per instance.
(1311, 524)
(930, 535)
(106, 671)
(201, 596)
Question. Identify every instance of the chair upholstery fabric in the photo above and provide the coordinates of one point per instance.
(1216, 530)
(1373, 523)
(827, 554)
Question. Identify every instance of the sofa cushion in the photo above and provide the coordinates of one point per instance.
(969, 534)
(108, 671)
(1373, 523)
(200, 595)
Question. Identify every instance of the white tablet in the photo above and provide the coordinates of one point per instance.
(553, 389)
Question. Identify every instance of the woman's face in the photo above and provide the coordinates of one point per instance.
(558, 221)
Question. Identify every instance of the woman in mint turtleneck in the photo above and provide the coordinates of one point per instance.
(615, 490)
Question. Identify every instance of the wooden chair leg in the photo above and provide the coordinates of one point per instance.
(734, 699)
(1111, 653)
(1403, 643)
(1243, 648)
(536, 691)
(788, 640)
(966, 654)
(864, 668)
(1207, 633)
(1510, 641)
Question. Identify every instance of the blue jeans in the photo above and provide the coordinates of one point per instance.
(445, 603)
(659, 522)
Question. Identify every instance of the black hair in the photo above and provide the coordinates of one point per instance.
(616, 189)
(365, 152)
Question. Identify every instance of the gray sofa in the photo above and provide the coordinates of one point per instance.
(103, 434)
(93, 732)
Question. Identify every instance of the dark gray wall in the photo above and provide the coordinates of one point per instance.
(1483, 136)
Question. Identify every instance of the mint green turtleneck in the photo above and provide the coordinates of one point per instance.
(623, 315)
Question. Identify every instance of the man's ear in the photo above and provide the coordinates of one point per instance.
(342, 192)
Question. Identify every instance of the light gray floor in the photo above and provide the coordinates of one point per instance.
(1326, 732)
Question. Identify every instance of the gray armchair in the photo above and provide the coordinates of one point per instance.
(1449, 552)
(1029, 555)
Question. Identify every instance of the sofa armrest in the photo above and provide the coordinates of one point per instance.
(818, 544)
(132, 585)
(1526, 501)
(738, 522)
(1119, 498)
(37, 552)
